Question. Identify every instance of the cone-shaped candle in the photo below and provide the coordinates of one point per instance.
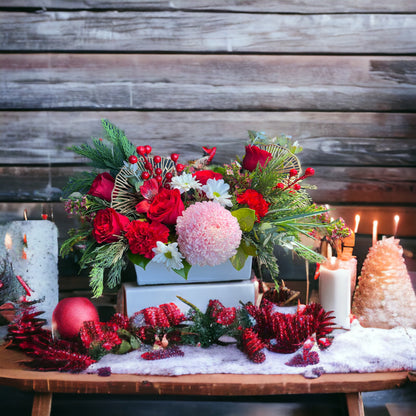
(385, 297)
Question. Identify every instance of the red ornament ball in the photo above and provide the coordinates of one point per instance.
(70, 314)
(132, 159)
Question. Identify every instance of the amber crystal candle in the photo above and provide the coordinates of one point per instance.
(335, 290)
(385, 297)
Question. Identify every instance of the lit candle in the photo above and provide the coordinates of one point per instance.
(38, 268)
(8, 242)
(335, 291)
(357, 222)
(396, 224)
(375, 224)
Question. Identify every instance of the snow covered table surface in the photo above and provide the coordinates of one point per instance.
(358, 350)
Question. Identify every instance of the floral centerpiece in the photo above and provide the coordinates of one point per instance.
(139, 207)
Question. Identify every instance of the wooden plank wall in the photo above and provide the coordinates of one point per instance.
(339, 77)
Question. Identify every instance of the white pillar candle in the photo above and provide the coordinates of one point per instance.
(335, 291)
(39, 267)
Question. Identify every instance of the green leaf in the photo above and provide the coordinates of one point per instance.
(184, 271)
(135, 343)
(246, 218)
(248, 248)
(124, 347)
(138, 259)
(239, 259)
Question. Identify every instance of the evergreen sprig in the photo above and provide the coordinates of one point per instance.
(107, 157)
(107, 257)
(79, 182)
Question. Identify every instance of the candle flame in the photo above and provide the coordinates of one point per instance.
(396, 224)
(8, 241)
(375, 225)
(357, 222)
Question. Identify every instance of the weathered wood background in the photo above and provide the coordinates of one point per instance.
(339, 78)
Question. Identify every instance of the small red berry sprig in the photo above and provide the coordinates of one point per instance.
(293, 183)
(151, 169)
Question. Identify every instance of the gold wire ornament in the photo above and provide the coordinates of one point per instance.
(288, 159)
(126, 193)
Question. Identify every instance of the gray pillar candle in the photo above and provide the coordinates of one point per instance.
(38, 268)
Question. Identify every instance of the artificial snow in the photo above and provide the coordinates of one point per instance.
(362, 350)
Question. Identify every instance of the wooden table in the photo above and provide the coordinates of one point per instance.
(44, 384)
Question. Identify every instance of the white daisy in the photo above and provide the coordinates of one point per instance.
(168, 254)
(184, 183)
(217, 190)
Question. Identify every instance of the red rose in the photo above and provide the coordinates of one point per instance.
(254, 156)
(166, 206)
(142, 237)
(108, 224)
(255, 201)
(102, 186)
(203, 175)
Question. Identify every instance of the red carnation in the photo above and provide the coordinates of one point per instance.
(203, 175)
(108, 225)
(254, 156)
(255, 201)
(102, 186)
(142, 237)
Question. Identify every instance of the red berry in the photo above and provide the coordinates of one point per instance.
(148, 166)
(280, 185)
(309, 172)
(148, 149)
(145, 175)
(174, 157)
(133, 159)
(180, 167)
(159, 178)
(293, 172)
(296, 187)
(158, 171)
(169, 176)
(141, 150)
(157, 159)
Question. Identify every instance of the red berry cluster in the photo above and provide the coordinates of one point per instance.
(294, 179)
(153, 170)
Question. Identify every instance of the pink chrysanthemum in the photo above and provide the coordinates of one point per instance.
(208, 234)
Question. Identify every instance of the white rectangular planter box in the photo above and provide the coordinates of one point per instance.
(229, 294)
(156, 274)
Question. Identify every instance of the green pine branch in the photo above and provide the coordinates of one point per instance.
(122, 146)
